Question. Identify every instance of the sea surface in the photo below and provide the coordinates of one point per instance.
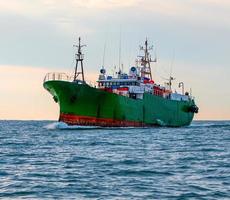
(49, 160)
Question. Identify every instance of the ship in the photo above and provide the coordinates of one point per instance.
(130, 99)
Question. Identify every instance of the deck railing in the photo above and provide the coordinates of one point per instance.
(53, 76)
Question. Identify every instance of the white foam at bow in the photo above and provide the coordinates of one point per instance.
(62, 125)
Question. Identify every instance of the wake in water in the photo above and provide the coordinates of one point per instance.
(64, 126)
(196, 124)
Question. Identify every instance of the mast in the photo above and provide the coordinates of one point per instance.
(146, 60)
(79, 58)
(170, 82)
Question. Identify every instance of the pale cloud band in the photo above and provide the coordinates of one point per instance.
(44, 8)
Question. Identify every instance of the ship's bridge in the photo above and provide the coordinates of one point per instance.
(115, 82)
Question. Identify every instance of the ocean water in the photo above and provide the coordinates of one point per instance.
(48, 160)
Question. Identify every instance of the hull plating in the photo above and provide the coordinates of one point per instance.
(84, 105)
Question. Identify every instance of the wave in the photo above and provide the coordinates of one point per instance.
(210, 124)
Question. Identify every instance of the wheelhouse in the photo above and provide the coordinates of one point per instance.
(116, 83)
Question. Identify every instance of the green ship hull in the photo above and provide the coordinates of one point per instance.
(81, 104)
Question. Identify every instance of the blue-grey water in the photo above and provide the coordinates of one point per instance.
(38, 160)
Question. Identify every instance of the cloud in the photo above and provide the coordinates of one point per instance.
(40, 8)
(92, 15)
(70, 8)
(106, 4)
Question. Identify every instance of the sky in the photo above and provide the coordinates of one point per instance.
(190, 38)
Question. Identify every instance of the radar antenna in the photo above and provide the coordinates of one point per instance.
(79, 58)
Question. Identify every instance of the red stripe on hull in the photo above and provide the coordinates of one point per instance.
(71, 119)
